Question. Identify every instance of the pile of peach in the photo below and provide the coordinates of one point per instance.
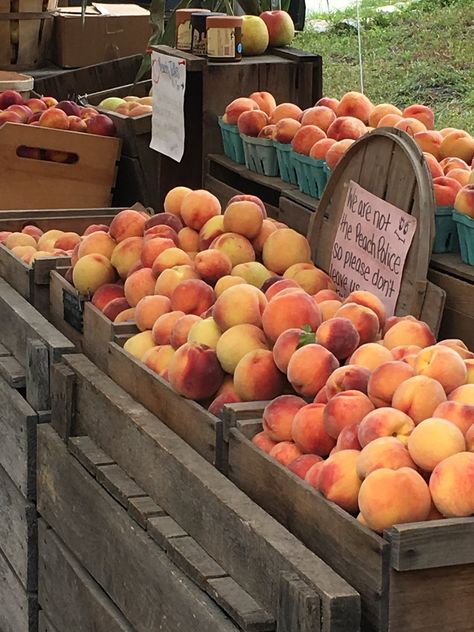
(389, 434)
(328, 129)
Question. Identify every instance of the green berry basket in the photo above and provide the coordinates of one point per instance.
(446, 235)
(311, 175)
(260, 155)
(465, 226)
(286, 165)
(233, 145)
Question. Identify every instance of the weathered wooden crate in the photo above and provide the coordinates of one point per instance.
(32, 282)
(409, 579)
(457, 279)
(208, 508)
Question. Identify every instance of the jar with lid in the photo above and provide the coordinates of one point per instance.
(224, 38)
(184, 28)
(199, 33)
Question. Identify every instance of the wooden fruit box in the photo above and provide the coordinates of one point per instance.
(32, 282)
(27, 183)
(208, 508)
(412, 578)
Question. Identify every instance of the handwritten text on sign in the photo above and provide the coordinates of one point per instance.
(169, 85)
(371, 246)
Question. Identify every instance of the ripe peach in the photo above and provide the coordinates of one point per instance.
(429, 141)
(19, 239)
(389, 497)
(380, 111)
(328, 102)
(469, 362)
(194, 371)
(67, 241)
(433, 440)
(237, 341)
(158, 359)
(294, 309)
(347, 378)
(309, 277)
(97, 242)
(285, 452)
(252, 122)
(308, 431)
(326, 295)
(205, 332)
(198, 207)
(458, 145)
(227, 281)
(339, 335)
(126, 224)
(163, 326)
(449, 163)
(461, 175)
(239, 304)
(243, 217)
(306, 137)
(149, 309)
(152, 248)
(128, 315)
(328, 309)
(389, 120)
(303, 463)
(463, 394)
(188, 239)
(386, 452)
(285, 111)
(452, 485)
(265, 101)
(181, 328)
(348, 439)
(169, 258)
(285, 130)
(445, 190)
(105, 293)
(336, 152)
(285, 345)
(174, 199)
(24, 252)
(362, 297)
(433, 165)
(139, 344)
(115, 307)
(278, 416)
(138, 285)
(283, 248)
(266, 229)
(256, 376)
(236, 107)
(469, 438)
(344, 409)
(355, 104)
(418, 397)
(464, 201)
(263, 441)
(422, 113)
(385, 380)
(312, 475)
(162, 230)
(442, 364)
(338, 479)
(237, 247)
(31, 229)
(212, 264)
(126, 254)
(364, 319)
(253, 272)
(409, 332)
(410, 125)
(279, 285)
(212, 229)
(320, 148)
(192, 296)
(96, 227)
(319, 115)
(345, 128)
(91, 272)
(309, 369)
(404, 351)
(170, 278)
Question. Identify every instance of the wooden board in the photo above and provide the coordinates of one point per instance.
(19, 611)
(295, 214)
(222, 520)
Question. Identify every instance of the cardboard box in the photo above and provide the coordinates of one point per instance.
(109, 31)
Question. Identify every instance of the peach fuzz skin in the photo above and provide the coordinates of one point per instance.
(418, 397)
(303, 463)
(285, 452)
(308, 431)
(257, 378)
(442, 364)
(433, 440)
(384, 452)
(278, 416)
(338, 479)
(309, 369)
(349, 377)
(385, 422)
(345, 409)
(385, 379)
(452, 485)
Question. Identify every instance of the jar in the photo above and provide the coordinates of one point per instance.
(184, 29)
(224, 38)
(199, 33)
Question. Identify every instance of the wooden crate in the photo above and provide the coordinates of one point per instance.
(457, 279)
(27, 183)
(32, 282)
(410, 579)
(206, 506)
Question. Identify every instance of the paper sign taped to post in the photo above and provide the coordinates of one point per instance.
(169, 85)
(371, 245)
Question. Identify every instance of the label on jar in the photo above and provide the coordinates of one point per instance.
(221, 42)
(184, 36)
(199, 43)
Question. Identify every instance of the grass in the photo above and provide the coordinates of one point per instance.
(421, 54)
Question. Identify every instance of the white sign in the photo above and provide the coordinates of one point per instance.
(169, 85)
(371, 246)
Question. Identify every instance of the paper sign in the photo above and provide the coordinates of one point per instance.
(169, 85)
(371, 245)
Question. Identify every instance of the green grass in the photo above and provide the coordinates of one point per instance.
(422, 54)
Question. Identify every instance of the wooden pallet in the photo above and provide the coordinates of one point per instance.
(206, 506)
(408, 579)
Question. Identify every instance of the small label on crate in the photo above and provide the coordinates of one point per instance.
(73, 310)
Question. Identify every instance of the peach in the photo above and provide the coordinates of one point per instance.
(445, 190)
(387, 452)
(285, 452)
(285, 130)
(329, 102)
(285, 345)
(127, 315)
(385, 379)
(237, 247)
(303, 463)
(306, 137)
(237, 341)
(246, 197)
(284, 248)
(212, 229)
(355, 104)
(126, 254)
(464, 201)
(188, 239)
(265, 101)
(163, 326)
(285, 111)
(105, 293)
(170, 278)
(463, 394)
(253, 272)
(418, 397)
(469, 438)
(429, 141)
(266, 229)
(461, 175)
(362, 297)
(310, 278)
(139, 344)
(321, 396)
(364, 319)
(237, 106)
(31, 229)
(433, 165)
(312, 475)
(319, 115)
(278, 416)
(393, 320)
(139, 284)
(91, 272)
(194, 371)
(404, 351)
(380, 111)
(256, 376)
(321, 147)
(452, 485)
(169, 258)
(389, 497)
(198, 207)
(309, 369)
(115, 307)
(326, 295)
(328, 309)
(336, 152)
(263, 441)
(162, 230)
(339, 335)
(469, 362)
(344, 409)
(434, 440)
(450, 162)
(338, 480)
(158, 359)
(346, 127)
(174, 199)
(244, 218)
(308, 431)
(93, 228)
(192, 296)
(347, 378)
(409, 332)
(389, 120)
(181, 328)
(421, 112)
(149, 309)
(410, 125)
(48, 239)
(294, 309)
(97, 242)
(126, 224)
(212, 264)
(152, 248)
(5, 233)
(205, 332)
(347, 439)
(67, 241)
(227, 281)
(252, 122)
(19, 239)
(239, 304)
(24, 251)
(458, 145)
(442, 364)
(279, 285)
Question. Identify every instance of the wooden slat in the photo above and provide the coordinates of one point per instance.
(44, 624)
(37, 375)
(118, 484)
(295, 215)
(12, 372)
(19, 609)
(194, 561)
(141, 508)
(299, 607)
(163, 529)
(88, 454)
(62, 399)
(452, 264)
(433, 307)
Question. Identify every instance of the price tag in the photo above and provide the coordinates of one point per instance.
(371, 245)
(72, 310)
(169, 86)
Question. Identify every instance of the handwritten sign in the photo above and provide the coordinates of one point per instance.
(371, 246)
(169, 85)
